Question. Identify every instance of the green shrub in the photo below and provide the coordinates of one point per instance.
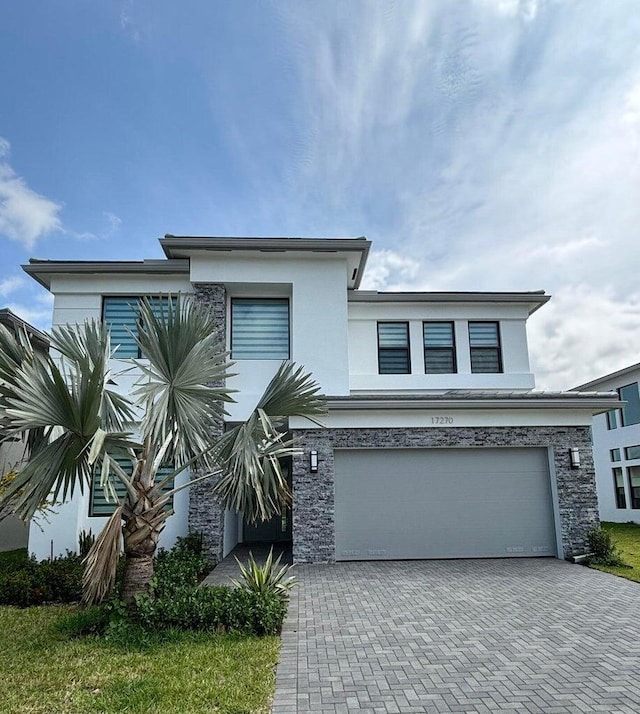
(86, 539)
(33, 583)
(603, 549)
(177, 568)
(214, 609)
(270, 578)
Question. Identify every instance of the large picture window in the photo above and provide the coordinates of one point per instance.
(484, 342)
(121, 314)
(393, 348)
(259, 328)
(439, 348)
(630, 412)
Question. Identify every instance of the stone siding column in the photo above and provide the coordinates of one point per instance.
(206, 514)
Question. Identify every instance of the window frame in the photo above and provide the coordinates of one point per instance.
(612, 419)
(634, 503)
(497, 348)
(619, 496)
(623, 420)
(162, 297)
(236, 298)
(406, 349)
(452, 348)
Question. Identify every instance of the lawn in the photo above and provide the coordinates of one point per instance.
(44, 670)
(626, 537)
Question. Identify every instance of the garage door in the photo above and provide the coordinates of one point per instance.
(442, 503)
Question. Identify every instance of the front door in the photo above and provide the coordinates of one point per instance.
(275, 530)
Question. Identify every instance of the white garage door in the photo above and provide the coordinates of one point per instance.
(442, 503)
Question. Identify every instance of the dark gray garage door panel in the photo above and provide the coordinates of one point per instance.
(442, 503)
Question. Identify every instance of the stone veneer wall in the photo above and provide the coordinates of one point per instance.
(206, 515)
(313, 494)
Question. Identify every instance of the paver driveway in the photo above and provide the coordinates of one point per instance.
(460, 636)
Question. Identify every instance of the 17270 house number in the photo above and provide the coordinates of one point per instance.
(440, 420)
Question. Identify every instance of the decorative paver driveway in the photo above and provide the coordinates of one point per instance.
(460, 636)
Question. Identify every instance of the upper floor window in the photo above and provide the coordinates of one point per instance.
(484, 342)
(439, 348)
(393, 348)
(121, 314)
(612, 419)
(260, 328)
(615, 454)
(98, 504)
(630, 412)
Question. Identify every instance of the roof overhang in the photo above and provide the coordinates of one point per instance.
(356, 249)
(595, 402)
(534, 300)
(44, 270)
(10, 320)
(608, 377)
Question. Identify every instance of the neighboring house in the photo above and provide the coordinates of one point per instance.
(13, 532)
(616, 446)
(434, 446)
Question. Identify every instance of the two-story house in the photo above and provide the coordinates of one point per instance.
(434, 446)
(616, 446)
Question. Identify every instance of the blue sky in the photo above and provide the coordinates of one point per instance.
(481, 144)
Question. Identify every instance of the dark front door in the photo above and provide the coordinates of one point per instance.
(275, 530)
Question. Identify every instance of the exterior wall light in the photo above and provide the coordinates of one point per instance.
(574, 457)
(313, 461)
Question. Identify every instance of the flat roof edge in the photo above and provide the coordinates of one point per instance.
(41, 270)
(612, 375)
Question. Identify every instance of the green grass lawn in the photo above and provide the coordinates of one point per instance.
(43, 670)
(626, 537)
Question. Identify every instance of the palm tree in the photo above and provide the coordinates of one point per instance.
(75, 424)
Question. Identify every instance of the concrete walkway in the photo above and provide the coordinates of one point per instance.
(460, 636)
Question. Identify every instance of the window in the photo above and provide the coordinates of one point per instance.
(393, 348)
(630, 413)
(612, 419)
(260, 328)
(484, 342)
(99, 506)
(618, 485)
(439, 348)
(631, 452)
(634, 485)
(615, 454)
(122, 317)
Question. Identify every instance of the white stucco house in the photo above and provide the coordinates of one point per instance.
(435, 444)
(616, 446)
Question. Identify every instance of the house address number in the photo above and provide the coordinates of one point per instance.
(440, 420)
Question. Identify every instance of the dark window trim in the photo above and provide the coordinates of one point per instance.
(634, 503)
(486, 349)
(620, 496)
(249, 297)
(622, 411)
(406, 349)
(453, 347)
(612, 419)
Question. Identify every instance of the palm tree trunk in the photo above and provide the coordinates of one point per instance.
(140, 544)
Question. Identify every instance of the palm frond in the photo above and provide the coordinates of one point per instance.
(101, 562)
(182, 383)
(292, 392)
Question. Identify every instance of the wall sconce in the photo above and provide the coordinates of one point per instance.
(313, 461)
(574, 457)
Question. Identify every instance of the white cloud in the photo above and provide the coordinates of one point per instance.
(527, 9)
(386, 270)
(25, 216)
(11, 284)
(582, 334)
